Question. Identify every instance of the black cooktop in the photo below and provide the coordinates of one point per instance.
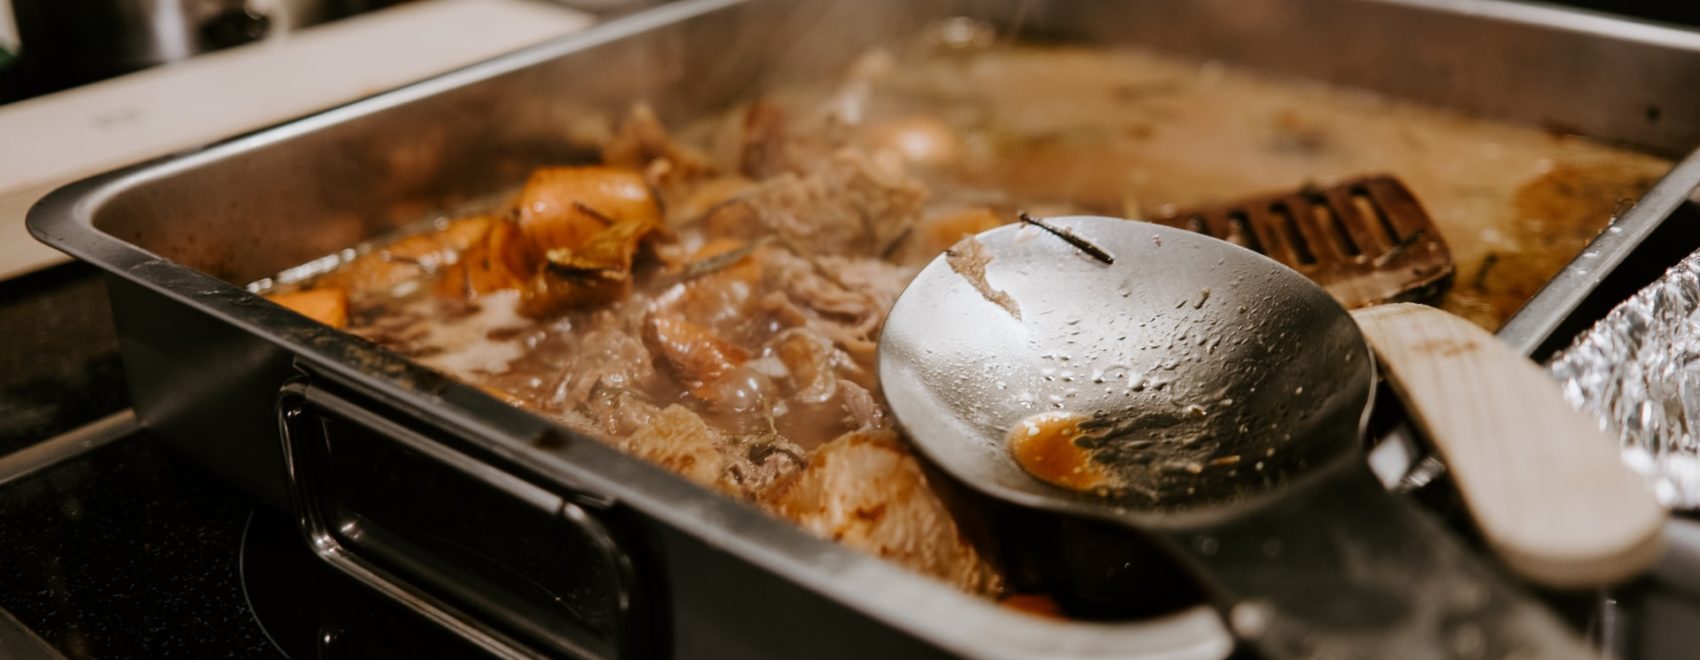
(123, 552)
(119, 550)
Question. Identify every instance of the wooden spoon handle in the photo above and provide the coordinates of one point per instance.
(1543, 483)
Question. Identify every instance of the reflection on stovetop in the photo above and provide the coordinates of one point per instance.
(124, 552)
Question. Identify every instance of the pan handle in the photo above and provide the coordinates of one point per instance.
(513, 568)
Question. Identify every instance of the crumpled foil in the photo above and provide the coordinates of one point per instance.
(1638, 371)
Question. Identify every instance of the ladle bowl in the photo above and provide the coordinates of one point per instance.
(1234, 392)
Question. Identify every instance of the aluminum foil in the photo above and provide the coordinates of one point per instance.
(1638, 371)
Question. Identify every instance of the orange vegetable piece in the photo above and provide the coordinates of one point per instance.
(411, 257)
(563, 207)
(609, 250)
(327, 305)
(548, 293)
(499, 262)
(934, 234)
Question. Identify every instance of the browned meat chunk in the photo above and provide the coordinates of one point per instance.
(865, 490)
(771, 145)
(843, 300)
(642, 143)
(969, 259)
(679, 440)
(851, 206)
(607, 359)
(693, 354)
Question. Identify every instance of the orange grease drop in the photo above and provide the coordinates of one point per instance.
(1044, 446)
(1038, 605)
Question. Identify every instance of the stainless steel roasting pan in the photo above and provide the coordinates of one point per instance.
(530, 540)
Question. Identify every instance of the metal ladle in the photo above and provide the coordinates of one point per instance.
(1231, 394)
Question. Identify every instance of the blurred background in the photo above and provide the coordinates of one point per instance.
(45, 47)
(49, 46)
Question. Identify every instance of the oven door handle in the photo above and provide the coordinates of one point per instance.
(488, 601)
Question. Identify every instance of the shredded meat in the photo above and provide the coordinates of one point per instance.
(851, 206)
(720, 326)
(969, 259)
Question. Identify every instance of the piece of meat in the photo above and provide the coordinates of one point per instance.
(812, 364)
(327, 305)
(843, 299)
(850, 206)
(695, 204)
(879, 281)
(608, 358)
(867, 491)
(718, 292)
(618, 413)
(743, 466)
(691, 352)
(768, 146)
(642, 143)
(969, 259)
(677, 439)
(757, 462)
(862, 411)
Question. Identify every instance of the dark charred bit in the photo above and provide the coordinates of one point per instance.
(1479, 282)
(549, 438)
(1079, 243)
(891, 248)
(598, 215)
(720, 261)
(760, 452)
(1621, 207)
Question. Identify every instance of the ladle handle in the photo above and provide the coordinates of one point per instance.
(1543, 483)
(1340, 568)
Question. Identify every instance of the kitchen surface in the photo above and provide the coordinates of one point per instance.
(553, 328)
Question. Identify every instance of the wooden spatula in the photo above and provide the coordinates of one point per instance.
(1367, 240)
(1542, 481)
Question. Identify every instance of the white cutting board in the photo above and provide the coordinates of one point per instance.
(52, 140)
